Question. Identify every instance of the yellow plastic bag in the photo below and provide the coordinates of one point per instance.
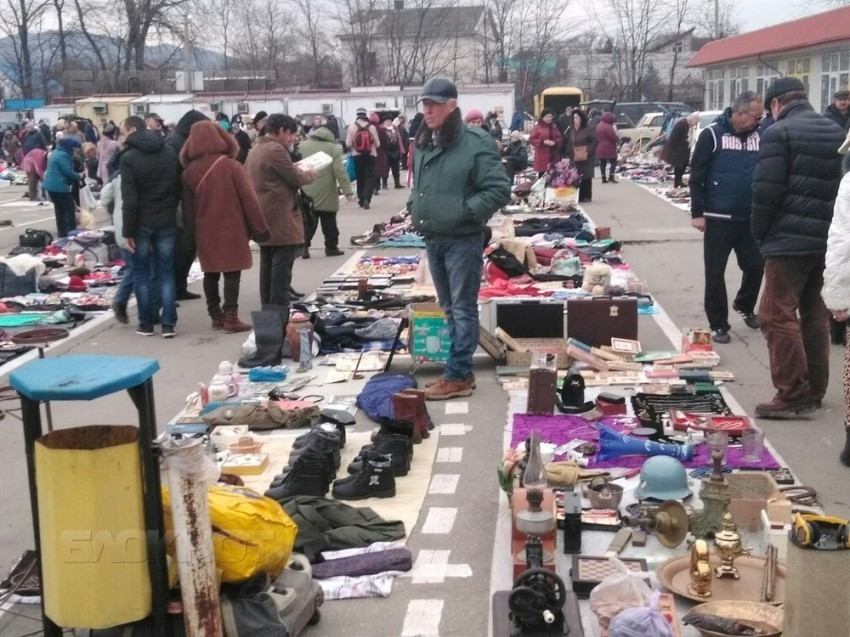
(91, 517)
(251, 533)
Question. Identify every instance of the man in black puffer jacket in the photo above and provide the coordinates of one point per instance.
(150, 189)
(794, 189)
(184, 251)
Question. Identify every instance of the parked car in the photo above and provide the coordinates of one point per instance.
(705, 118)
(647, 129)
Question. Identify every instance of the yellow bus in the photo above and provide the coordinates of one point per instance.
(558, 98)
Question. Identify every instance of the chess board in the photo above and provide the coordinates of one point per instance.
(588, 571)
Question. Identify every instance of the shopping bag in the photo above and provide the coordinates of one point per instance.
(87, 200)
(350, 168)
(92, 523)
(251, 533)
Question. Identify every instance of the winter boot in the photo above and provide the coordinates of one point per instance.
(217, 317)
(409, 404)
(401, 427)
(818, 382)
(308, 476)
(268, 334)
(231, 320)
(845, 453)
(393, 445)
(375, 481)
(326, 445)
(327, 429)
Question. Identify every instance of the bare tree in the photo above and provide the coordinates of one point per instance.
(314, 35)
(679, 13)
(356, 20)
(264, 40)
(636, 24)
(545, 25)
(726, 22)
(17, 21)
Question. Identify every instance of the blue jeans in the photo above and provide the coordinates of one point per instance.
(125, 288)
(153, 267)
(455, 266)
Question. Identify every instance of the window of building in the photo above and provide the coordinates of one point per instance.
(678, 47)
(835, 75)
(765, 74)
(799, 68)
(714, 85)
(739, 81)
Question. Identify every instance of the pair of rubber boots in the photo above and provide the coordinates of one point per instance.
(312, 466)
(269, 329)
(409, 405)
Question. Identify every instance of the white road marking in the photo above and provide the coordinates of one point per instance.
(432, 567)
(449, 454)
(422, 618)
(443, 484)
(460, 407)
(440, 520)
(455, 429)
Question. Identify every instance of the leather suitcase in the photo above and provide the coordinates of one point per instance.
(595, 321)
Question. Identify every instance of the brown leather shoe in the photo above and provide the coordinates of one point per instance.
(446, 389)
(778, 408)
(470, 379)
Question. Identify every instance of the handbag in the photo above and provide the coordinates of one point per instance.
(579, 153)
(308, 214)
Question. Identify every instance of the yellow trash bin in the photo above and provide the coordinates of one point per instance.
(92, 525)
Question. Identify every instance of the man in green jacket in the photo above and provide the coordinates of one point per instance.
(325, 189)
(459, 182)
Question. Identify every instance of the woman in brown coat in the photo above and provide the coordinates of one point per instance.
(221, 213)
(583, 153)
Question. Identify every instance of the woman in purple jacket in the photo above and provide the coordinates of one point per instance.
(606, 149)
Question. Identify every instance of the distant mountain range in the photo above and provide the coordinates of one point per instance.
(44, 50)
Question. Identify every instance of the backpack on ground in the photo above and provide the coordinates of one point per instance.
(363, 140)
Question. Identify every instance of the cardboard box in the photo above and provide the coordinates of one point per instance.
(428, 334)
(556, 346)
(750, 493)
(696, 338)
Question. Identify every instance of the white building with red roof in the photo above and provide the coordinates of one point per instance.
(815, 49)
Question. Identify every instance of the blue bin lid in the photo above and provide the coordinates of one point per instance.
(81, 377)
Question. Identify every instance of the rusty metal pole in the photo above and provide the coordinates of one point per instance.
(190, 512)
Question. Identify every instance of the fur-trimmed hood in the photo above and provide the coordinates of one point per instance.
(448, 134)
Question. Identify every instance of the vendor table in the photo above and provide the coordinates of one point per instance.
(88, 377)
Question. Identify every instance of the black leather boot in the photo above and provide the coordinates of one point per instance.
(326, 429)
(309, 475)
(404, 428)
(375, 481)
(394, 445)
(327, 446)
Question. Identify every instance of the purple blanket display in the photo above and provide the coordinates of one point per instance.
(561, 429)
(399, 559)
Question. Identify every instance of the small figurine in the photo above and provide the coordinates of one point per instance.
(700, 571)
(727, 545)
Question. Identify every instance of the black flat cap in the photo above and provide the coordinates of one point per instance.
(780, 86)
(439, 89)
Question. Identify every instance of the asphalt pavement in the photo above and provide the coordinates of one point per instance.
(461, 522)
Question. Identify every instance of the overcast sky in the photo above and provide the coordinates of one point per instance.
(756, 14)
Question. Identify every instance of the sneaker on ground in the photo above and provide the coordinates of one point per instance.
(168, 331)
(144, 330)
(446, 389)
(721, 336)
(120, 311)
(750, 320)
